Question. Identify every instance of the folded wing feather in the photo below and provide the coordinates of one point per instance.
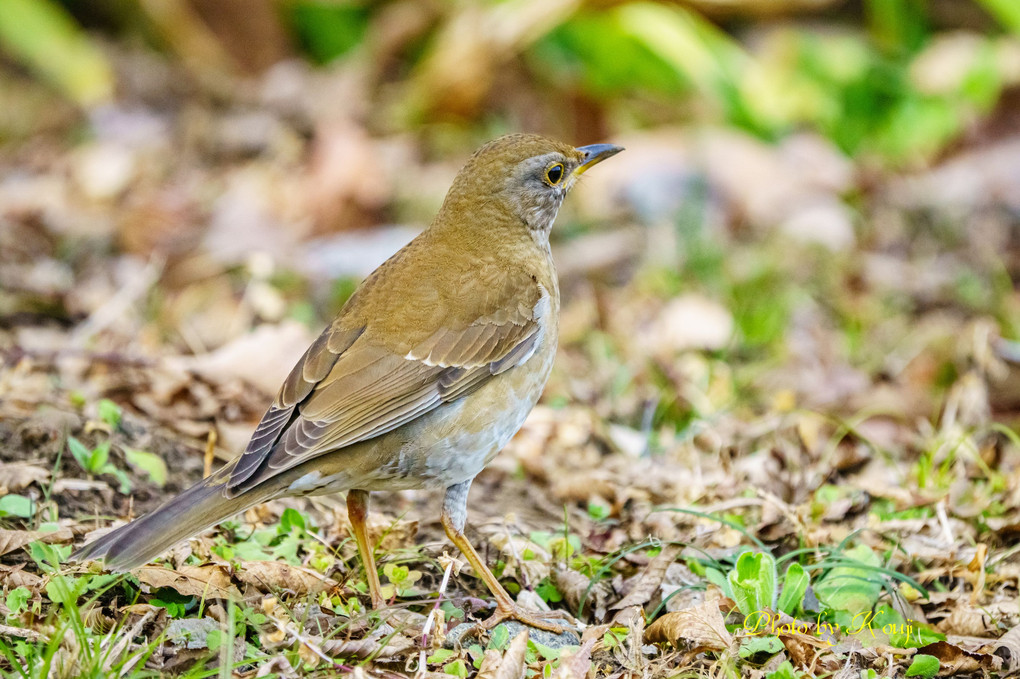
(347, 388)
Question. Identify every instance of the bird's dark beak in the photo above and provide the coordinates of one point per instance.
(593, 155)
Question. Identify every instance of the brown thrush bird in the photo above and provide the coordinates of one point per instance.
(427, 372)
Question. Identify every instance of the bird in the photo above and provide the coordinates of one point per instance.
(428, 370)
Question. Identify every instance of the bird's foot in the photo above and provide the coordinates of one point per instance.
(536, 619)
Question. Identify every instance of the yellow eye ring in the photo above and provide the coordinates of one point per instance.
(554, 173)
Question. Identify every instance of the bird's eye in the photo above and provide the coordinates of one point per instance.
(554, 173)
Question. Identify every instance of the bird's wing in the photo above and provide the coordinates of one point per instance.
(350, 387)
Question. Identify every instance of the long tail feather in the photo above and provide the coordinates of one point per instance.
(201, 506)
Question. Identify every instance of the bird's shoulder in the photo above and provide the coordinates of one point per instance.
(427, 290)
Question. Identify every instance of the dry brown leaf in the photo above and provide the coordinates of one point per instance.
(982, 621)
(16, 576)
(210, 581)
(21, 632)
(392, 534)
(275, 575)
(688, 321)
(278, 667)
(1007, 647)
(849, 666)
(473, 46)
(11, 540)
(955, 660)
(18, 475)
(514, 658)
(363, 648)
(700, 627)
(802, 648)
(575, 665)
(576, 587)
(273, 348)
(632, 619)
(141, 609)
(490, 664)
(648, 583)
(95, 618)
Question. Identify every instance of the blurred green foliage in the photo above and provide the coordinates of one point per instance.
(1007, 12)
(44, 37)
(877, 80)
(595, 51)
(327, 30)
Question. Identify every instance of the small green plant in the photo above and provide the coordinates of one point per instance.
(110, 413)
(148, 463)
(17, 506)
(177, 605)
(752, 584)
(17, 601)
(93, 461)
(540, 652)
(96, 461)
(795, 584)
(926, 666)
(499, 639)
(614, 637)
(451, 661)
(48, 557)
(763, 646)
(598, 511)
(903, 633)
(457, 668)
(401, 580)
(562, 546)
(853, 585)
(291, 533)
(548, 591)
(284, 541)
(784, 671)
(451, 611)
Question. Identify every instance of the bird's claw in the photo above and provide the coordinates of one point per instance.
(511, 611)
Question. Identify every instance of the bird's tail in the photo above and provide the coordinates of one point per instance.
(201, 506)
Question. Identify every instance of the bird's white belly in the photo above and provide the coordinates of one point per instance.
(462, 454)
(454, 442)
(441, 449)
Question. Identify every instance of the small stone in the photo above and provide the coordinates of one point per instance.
(104, 171)
(191, 632)
(540, 636)
(825, 221)
(562, 640)
(689, 321)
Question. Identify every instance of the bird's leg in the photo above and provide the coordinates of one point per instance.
(453, 517)
(357, 511)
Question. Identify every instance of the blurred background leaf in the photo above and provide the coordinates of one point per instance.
(44, 37)
(327, 30)
(1005, 11)
(896, 80)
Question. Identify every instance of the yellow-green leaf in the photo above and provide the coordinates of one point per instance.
(153, 465)
(44, 37)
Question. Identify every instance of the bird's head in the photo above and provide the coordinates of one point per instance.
(523, 176)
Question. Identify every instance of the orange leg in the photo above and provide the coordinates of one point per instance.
(454, 511)
(357, 511)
